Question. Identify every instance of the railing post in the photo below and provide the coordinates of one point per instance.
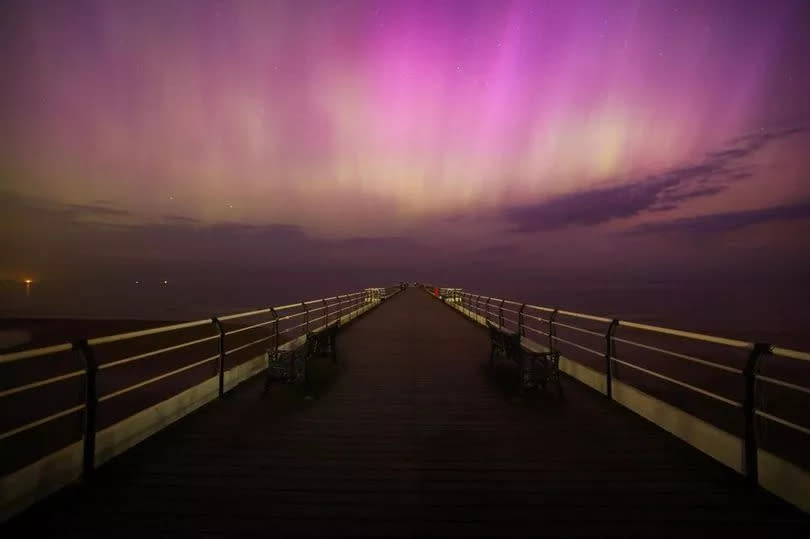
(551, 331)
(340, 309)
(325, 312)
(500, 315)
(486, 311)
(221, 330)
(477, 300)
(90, 407)
(610, 352)
(749, 409)
(306, 317)
(521, 328)
(275, 330)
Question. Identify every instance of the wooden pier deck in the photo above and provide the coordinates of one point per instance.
(414, 437)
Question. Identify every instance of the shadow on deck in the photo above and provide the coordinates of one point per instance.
(412, 436)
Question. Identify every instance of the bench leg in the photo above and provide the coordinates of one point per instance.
(526, 365)
(333, 348)
(552, 370)
(555, 366)
(268, 377)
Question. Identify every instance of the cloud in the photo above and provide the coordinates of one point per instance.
(369, 242)
(724, 222)
(93, 211)
(652, 193)
(180, 220)
(91, 234)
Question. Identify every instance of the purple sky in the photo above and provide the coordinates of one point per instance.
(394, 140)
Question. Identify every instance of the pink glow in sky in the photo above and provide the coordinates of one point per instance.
(333, 144)
(297, 112)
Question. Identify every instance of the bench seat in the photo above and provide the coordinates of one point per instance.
(538, 364)
(290, 362)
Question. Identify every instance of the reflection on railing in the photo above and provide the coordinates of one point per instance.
(93, 383)
(651, 359)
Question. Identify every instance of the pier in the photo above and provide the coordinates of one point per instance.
(410, 434)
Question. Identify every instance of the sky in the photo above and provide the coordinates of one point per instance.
(519, 147)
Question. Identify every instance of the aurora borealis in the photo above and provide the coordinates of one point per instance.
(440, 128)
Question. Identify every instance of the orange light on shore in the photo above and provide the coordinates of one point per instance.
(28, 281)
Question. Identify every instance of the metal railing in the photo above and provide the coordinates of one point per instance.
(242, 334)
(542, 325)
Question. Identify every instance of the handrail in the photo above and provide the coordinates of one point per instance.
(471, 306)
(783, 421)
(796, 387)
(538, 318)
(792, 354)
(243, 315)
(154, 379)
(41, 421)
(40, 383)
(577, 328)
(678, 382)
(539, 308)
(585, 316)
(147, 332)
(36, 352)
(346, 307)
(689, 335)
(681, 356)
(155, 352)
(583, 348)
(248, 328)
(251, 343)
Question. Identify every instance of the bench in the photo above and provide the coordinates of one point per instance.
(290, 362)
(538, 365)
(324, 341)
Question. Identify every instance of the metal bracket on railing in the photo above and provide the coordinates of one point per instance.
(306, 317)
(500, 314)
(749, 410)
(521, 328)
(221, 373)
(552, 332)
(90, 407)
(610, 351)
